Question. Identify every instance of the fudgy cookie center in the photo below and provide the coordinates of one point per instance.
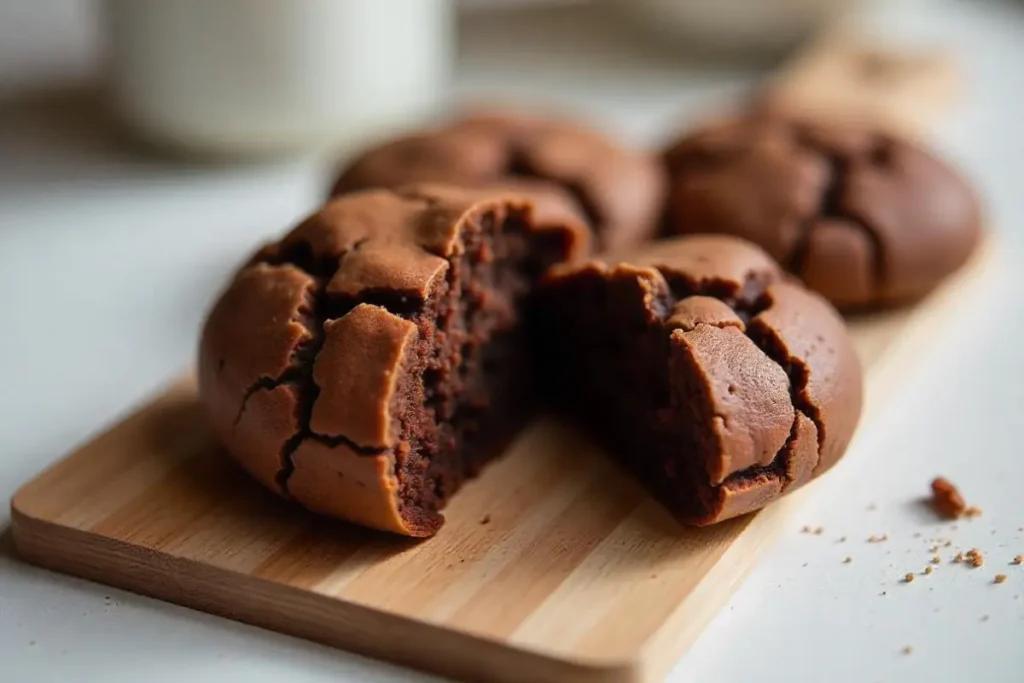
(466, 388)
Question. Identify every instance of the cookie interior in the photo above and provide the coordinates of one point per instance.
(467, 386)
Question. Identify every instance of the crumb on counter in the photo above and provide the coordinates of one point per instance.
(848, 560)
(929, 569)
(878, 539)
(1018, 559)
(935, 559)
(909, 577)
(972, 512)
(999, 578)
(946, 499)
(974, 557)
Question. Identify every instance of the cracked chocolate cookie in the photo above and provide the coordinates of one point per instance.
(620, 191)
(864, 218)
(370, 361)
(718, 381)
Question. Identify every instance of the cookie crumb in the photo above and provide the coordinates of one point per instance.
(1017, 559)
(907, 649)
(972, 512)
(936, 559)
(929, 569)
(486, 519)
(946, 499)
(848, 560)
(999, 578)
(818, 531)
(909, 577)
(959, 557)
(974, 557)
(878, 539)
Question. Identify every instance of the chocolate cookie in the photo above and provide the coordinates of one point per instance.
(864, 218)
(620, 191)
(371, 360)
(719, 382)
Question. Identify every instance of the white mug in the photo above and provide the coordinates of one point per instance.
(273, 76)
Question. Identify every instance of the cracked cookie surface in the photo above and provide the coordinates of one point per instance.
(712, 376)
(619, 190)
(371, 360)
(866, 219)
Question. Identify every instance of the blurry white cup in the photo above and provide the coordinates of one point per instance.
(276, 76)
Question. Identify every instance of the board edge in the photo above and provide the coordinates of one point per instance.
(355, 628)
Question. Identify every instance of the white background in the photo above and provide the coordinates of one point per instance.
(108, 259)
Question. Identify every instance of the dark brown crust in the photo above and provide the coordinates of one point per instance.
(767, 365)
(619, 190)
(302, 358)
(864, 218)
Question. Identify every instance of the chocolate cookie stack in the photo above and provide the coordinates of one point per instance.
(460, 278)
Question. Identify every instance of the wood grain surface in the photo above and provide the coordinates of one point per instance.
(552, 566)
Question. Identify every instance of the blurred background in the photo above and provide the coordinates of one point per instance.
(147, 145)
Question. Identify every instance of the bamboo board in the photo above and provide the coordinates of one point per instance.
(553, 566)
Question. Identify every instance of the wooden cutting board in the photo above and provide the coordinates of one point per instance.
(552, 566)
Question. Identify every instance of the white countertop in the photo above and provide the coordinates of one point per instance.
(108, 260)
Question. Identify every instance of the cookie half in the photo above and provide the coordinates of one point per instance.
(373, 359)
(718, 381)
